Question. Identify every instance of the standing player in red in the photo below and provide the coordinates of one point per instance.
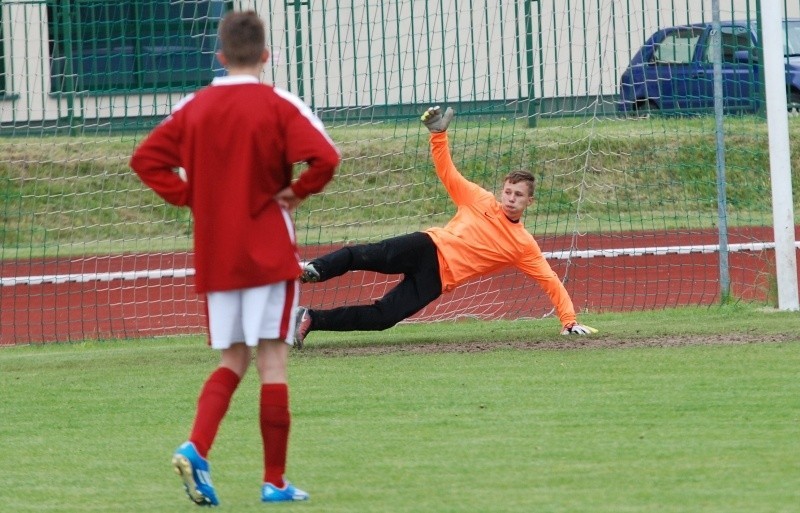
(237, 140)
(485, 235)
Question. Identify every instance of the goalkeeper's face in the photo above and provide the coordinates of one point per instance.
(515, 198)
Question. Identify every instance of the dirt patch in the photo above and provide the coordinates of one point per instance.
(567, 343)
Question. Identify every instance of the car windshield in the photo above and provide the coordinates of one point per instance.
(791, 40)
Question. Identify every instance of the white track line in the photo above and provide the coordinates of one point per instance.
(660, 250)
(155, 274)
(152, 274)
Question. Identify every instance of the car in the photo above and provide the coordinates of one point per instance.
(673, 71)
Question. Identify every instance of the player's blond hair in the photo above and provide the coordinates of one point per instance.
(242, 38)
(522, 176)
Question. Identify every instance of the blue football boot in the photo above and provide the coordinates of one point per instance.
(195, 472)
(271, 493)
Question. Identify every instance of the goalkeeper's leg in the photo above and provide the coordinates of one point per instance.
(410, 296)
(397, 255)
(416, 255)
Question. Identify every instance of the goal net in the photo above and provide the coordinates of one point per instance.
(627, 199)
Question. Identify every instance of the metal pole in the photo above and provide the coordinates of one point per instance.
(722, 201)
(70, 83)
(298, 48)
(529, 61)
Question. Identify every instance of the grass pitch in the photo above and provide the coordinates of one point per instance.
(687, 410)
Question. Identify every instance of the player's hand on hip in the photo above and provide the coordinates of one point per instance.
(435, 121)
(578, 329)
(287, 199)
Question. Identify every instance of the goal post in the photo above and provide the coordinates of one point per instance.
(779, 157)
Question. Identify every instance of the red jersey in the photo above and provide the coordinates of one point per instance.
(480, 238)
(237, 141)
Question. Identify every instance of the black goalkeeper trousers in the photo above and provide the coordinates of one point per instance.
(412, 255)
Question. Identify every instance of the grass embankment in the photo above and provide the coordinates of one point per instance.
(77, 195)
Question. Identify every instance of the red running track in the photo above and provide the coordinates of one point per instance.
(80, 308)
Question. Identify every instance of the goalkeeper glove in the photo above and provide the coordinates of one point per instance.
(578, 329)
(435, 120)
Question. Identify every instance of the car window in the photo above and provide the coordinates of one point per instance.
(734, 39)
(678, 46)
(791, 44)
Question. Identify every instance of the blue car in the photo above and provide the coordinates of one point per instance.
(673, 72)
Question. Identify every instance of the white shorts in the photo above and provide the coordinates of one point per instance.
(249, 315)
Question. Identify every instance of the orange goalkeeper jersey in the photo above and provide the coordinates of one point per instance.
(480, 239)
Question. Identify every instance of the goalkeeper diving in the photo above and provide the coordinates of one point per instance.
(485, 235)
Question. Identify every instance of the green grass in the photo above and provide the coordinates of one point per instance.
(391, 422)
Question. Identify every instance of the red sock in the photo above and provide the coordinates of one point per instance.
(275, 421)
(215, 397)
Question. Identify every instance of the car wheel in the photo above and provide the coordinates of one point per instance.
(793, 101)
(643, 108)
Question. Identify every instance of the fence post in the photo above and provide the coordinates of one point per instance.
(529, 62)
(722, 200)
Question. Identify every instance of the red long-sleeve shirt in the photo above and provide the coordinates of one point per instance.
(237, 140)
(480, 239)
